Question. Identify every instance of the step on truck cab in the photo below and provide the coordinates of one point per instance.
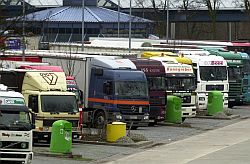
(155, 73)
(180, 81)
(16, 124)
(45, 92)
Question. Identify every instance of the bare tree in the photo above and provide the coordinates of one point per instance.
(159, 10)
(212, 6)
(247, 4)
(190, 7)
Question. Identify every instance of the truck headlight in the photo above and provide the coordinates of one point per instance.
(29, 159)
(24, 145)
(46, 129)
(118, 117)
(146, 117)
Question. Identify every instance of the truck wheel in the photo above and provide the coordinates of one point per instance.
(99, 120)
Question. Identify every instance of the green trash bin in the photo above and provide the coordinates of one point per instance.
(173, 111)
(61, 137)
(215, 102)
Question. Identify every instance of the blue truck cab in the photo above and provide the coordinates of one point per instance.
(118, 92)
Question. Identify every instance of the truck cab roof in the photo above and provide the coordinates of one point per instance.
(16, 64)
(10, 93)
(112, 63)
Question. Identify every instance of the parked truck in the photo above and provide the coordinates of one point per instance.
(45, 92)
(155, 73)
(16, 124)
(211, 74)
(70, 80)
(235, 75)
(113, 88)
(246, 77)
(180, 81)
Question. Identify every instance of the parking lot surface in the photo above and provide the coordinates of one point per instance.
(159, 135)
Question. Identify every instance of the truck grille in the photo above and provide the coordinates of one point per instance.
(50, 122)
(185, 99)
(214, 87)
(13, 145)
(133, 109)
(21, 156)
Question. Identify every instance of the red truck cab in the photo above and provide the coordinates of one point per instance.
(155, 73)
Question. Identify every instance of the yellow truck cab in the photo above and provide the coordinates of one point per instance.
(45, 92)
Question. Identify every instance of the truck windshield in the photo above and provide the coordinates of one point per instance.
(57, 104)
(131, 89)
(14, 120)
(234, 73)
(180, 84)
(210, 73)
(156, 83)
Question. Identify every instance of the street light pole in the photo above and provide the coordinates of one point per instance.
(129, 35)
(23, 33)
(167, 27)
(118, 26)
(83, 6)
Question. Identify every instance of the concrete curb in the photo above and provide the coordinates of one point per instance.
(60, 155)
(45, 151)
(230, 117)
(135, 145)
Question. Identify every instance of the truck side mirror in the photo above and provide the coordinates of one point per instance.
(80, 96)
(33, 103)
(33, 119)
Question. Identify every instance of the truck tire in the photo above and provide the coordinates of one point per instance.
(99, 120)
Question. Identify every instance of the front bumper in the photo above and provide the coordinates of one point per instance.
(188, 111)
(24, 157)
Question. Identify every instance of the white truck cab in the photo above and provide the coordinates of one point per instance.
(15, 128)
(211, 74)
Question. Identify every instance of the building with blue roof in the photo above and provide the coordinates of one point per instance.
(64, 24)
(232, 19)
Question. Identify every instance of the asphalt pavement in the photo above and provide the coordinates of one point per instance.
(227, 145)
(197, 140)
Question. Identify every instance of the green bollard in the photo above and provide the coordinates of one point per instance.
(61, 137)
(173, 111)
(215, 102)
